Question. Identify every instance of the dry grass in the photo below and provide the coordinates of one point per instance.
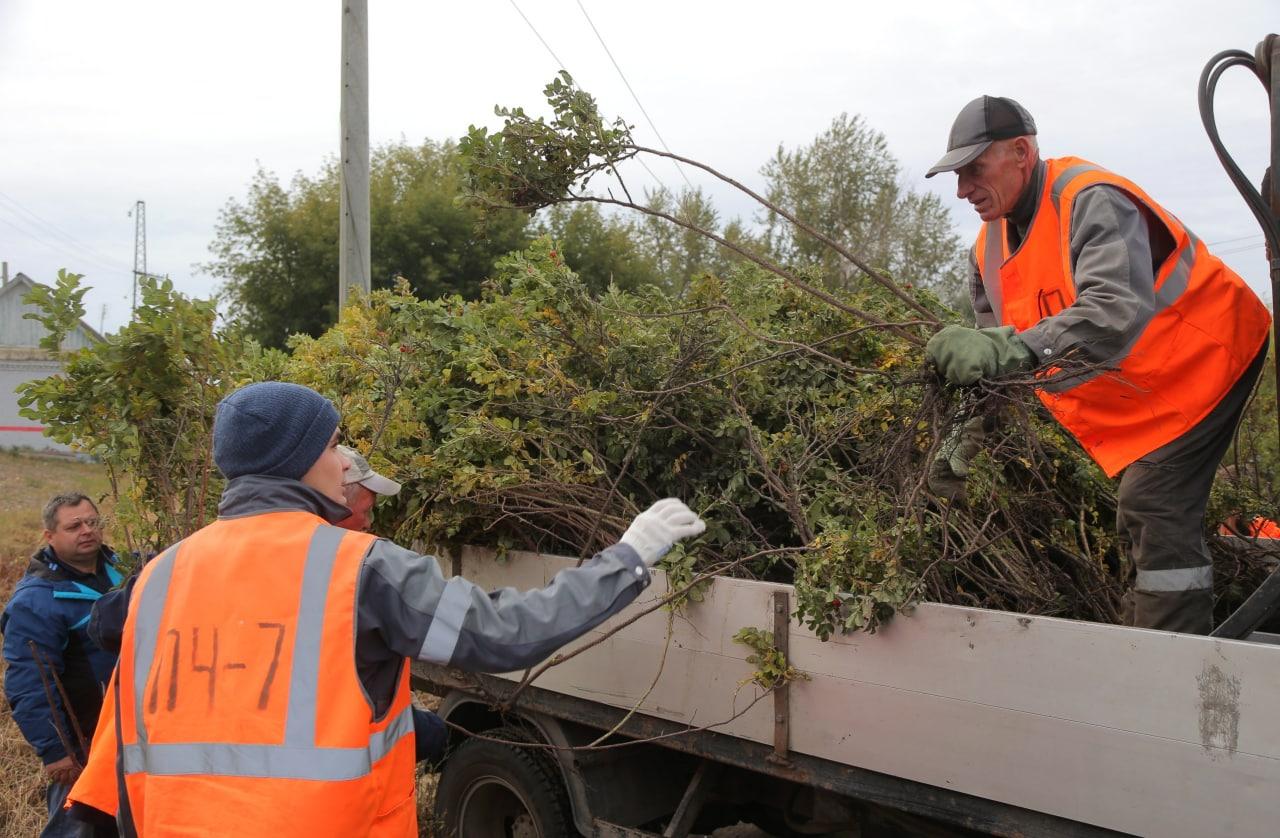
(427, 827)
(26, 482)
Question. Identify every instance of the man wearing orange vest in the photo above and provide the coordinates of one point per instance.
(1146, 346)
(263, 683)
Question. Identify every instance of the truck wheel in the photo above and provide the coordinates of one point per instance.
(491, 790)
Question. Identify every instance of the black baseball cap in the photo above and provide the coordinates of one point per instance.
(980, 123)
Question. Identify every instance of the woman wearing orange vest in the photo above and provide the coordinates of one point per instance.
(263, 683)
(1146, 345)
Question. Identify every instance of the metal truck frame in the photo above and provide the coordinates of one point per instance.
(948, 721)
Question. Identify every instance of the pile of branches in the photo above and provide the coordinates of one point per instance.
(542, 418)
(799, 422)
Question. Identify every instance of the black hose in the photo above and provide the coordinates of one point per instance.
(1269, 74)
(1208, 86)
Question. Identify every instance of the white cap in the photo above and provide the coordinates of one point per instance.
(361, 472)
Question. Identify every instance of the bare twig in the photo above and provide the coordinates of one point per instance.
(47, 672)
(879, 277)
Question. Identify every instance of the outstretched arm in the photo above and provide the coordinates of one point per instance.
(405, 600)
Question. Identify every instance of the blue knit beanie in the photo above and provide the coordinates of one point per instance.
(272, 428)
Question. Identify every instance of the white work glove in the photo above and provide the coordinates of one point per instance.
(654, 531)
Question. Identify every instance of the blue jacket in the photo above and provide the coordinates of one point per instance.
(51, 606)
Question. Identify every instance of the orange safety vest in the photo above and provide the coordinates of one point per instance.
(240, 708)
(1258, 528)
(1207, 327)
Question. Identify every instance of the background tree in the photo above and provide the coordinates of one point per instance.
(603, 248)
(277, 250)
(847, 185)
(419, 231)
(141, 402)
(606, 248)
(679, 253)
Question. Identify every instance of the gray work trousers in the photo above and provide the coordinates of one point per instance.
(1160, 518)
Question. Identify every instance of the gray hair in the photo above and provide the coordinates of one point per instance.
(1031, 139)
(58, 501)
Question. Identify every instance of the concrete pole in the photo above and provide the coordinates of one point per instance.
(353, 236)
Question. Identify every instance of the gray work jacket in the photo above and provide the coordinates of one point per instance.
(406, 608)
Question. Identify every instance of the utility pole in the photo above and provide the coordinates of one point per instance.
(139, 249)
(353, 235)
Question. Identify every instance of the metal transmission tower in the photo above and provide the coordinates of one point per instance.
(139, 213)
(139, 249)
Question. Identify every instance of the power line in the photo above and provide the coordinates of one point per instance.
(45, 225)
(1237, 239)
(532, 28)
(630, 90)
(56, 247)
(29, 234)
(1240, 249)
(64, 248)
(560, 64)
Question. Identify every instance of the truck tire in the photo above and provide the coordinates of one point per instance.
(492, 790)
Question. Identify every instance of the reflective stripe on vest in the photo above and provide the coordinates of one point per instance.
(446, 623)
(1069, 174)
(298, 757)
(992, 259)
(277, 761)
(1176, 579)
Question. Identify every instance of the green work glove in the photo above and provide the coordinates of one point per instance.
(950, 466)
(964, 355)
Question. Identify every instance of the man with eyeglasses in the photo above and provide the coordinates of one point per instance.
(50, 609)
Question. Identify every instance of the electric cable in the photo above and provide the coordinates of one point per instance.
(1239, 249)
(533, 29)
(632, 91)
(47, 226)
(1236, 239)
(560, 64)
(58, 248)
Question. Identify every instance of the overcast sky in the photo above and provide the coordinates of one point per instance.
(176, 104)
